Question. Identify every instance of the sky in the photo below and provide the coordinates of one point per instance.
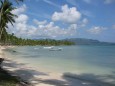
(60, 19)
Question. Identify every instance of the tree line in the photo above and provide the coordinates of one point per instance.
(11, 39)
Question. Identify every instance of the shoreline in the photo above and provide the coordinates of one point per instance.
(7, 77)
(43, 78)
(23, 71)
(28, 74)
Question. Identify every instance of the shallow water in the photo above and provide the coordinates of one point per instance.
(96, 60)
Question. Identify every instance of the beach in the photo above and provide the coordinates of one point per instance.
(57, 43)
(24, 72)
(45, 79)
(42, 77)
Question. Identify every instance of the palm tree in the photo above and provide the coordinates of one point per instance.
(6, 15)
(17, 0)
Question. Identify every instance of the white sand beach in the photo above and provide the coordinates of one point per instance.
(26, 73)
(39, 77)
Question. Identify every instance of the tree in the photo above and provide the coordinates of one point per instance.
(6, 15)
(16, 0)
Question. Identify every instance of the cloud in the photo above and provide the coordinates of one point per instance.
(96, 30)
(51, 30)
(84, 22)
(39, 22)
(87, 1)
(109, 1)
(67, 15)
(20, 10)
(51, 3)
(113, 26)
(22, 18)
(41, 29)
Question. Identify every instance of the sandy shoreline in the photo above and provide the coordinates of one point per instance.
(26, 73)
(42, 78)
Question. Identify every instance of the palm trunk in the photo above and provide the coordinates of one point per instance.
(1, 30)
(1, 14)
(1, 33)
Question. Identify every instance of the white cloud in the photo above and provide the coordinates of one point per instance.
(68, 15)
(20, 10)
(22, 18)
(50, 30)
(84, 22)
(39, 22)
(109, 1)
(42, 29)
(96, 30)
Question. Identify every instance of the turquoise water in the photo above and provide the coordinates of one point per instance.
(97, 60)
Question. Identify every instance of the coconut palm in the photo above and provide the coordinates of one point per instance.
(6, 15)
(16, 0)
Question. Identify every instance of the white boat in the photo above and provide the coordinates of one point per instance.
(49, 47)
(55, 49)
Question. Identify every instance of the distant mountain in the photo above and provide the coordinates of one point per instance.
(83, 41)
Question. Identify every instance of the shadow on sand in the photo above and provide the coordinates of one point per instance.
(20, 69)
(69, 79)
(81, 80)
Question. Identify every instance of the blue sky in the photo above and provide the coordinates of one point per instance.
(58, 19)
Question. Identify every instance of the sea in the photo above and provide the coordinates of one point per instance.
(86, 60)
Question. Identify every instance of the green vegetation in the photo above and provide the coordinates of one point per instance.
(10, 39)
(84, 41)
(6, 16)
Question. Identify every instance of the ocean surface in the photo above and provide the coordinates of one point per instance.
(85, 60)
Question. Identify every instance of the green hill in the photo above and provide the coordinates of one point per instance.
(84, 41)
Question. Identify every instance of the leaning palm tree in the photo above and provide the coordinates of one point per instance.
(6, 15)
(16, 0)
